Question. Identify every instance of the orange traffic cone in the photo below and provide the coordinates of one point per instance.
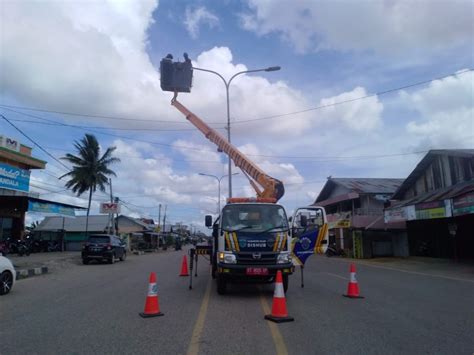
(184, 267)
(353, 286)
(279, 313)
(152, 307)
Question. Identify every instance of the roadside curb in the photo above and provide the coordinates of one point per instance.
(23, 274)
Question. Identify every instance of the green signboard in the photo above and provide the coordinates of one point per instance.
(431, 210)
(463, 204)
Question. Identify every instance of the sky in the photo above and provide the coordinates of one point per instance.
(365, 89)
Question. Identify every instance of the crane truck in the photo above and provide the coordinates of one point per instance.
(251, 237)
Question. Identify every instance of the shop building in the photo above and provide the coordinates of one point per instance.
(436, 202)
(72, 231)
(355, 212)
(16, 164)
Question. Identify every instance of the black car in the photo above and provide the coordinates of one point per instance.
(103, 247)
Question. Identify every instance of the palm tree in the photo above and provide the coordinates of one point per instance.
(89, 170)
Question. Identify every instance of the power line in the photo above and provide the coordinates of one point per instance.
(316, 159)
(380, 93)
(36, 144)
(88, 115)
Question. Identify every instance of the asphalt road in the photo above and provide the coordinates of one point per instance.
(93, 309)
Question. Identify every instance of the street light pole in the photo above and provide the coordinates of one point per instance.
(227, 86)
(219, 179)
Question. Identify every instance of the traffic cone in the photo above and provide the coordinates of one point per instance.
(353, 286)
(152, 307)
(279, 313)
(184, 267)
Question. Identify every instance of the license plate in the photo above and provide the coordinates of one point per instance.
(257, 271)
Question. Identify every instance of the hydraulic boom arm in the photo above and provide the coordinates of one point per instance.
(265, 185)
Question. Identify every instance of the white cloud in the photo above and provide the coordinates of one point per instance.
(357, 115)
(197, 17)
(80, 56)
(446, 109)
(387, 27)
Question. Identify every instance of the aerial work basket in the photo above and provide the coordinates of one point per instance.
(176, 76)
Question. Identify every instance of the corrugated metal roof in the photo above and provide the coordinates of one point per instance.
(437, 195)
(370, 185)
(97, 223)
(361, 186)
(425, 163)
(76, 224)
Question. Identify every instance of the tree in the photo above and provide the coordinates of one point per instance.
(89, 170)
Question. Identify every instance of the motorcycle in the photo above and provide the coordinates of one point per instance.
(53, 246)
(4, 249)
(334, 250)
(23, 248)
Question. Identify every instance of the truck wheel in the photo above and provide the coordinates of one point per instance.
(286, 280)
(221, 285)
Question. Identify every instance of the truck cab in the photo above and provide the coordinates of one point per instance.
(251, 242)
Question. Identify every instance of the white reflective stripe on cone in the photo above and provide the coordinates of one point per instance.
(152, 289)
(353, 277)
(279, 292)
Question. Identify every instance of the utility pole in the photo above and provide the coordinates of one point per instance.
(164, 219)
(111, 215)
(159, 217)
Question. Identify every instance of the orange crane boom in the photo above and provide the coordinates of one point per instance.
(264, 185)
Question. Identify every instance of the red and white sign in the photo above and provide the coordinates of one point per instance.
(109, 207)
(9, 143)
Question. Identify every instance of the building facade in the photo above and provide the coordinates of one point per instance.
(436, 202)
(355, 212)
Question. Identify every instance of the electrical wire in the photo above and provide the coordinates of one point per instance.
(379, 93)
(315, 158)
(34, 142)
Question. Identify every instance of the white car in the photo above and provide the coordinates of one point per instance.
(7, 275)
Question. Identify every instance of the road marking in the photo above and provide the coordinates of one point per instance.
(276, 335)
(193, 348)
(406, 271)
(335, 275)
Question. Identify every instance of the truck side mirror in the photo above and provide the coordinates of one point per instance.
(208, 221)
(303, 221)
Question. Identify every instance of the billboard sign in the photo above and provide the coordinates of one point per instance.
(432, 210)
(463, 204)
(9, 143)
(50, 208)
(109, 207)
(13, 178)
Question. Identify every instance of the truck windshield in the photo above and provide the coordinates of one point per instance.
(253, 218)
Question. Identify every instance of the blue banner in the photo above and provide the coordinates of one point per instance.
(305, 245)
(46, 207)
(13, 178)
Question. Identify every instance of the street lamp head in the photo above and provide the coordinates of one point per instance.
(273, 68)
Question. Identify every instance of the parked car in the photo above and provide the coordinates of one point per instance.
(7, 275)
(103, 247)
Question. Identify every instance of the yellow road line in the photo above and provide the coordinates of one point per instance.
(193, 348)
(278, 340)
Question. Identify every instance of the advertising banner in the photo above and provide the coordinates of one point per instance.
(463, 204)
(109, 207)
(50, 208)
(431, 210)
(13, 178)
